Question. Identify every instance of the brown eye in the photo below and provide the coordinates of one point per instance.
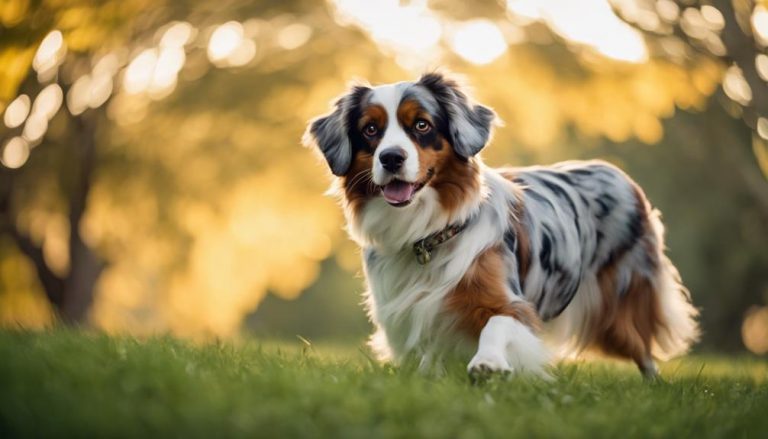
(422, 126)
(370, 130)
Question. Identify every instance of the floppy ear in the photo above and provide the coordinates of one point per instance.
(469, 124)
(331, 132)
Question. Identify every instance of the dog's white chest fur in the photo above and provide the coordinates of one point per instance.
(405, 299)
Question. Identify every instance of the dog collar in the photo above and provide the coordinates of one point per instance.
(424, 247)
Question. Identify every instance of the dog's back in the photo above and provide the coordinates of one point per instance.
(593, 239)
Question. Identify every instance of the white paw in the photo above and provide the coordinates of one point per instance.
(486, 364)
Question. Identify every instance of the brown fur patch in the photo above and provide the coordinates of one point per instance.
(481, 294)
(456, 180)
(358, 185)
(626, 324)
(373, 113)
(635, 322)
(410, 110)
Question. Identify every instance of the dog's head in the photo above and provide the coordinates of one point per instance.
(393, 140)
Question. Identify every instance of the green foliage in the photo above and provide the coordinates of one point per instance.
(88, 385)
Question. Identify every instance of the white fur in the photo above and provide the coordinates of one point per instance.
(389, 96)
(405, 298)
(508, 345)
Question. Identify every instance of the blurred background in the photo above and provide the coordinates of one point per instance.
(152, 178)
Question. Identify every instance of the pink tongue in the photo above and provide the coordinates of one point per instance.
(397, 192)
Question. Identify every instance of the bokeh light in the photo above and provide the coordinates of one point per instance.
(48, 101)
(228, 46)
(15, 153)
(294, 36)
(754, 330)
(49, 54)
(736, 87)
(35, 127)
(17, 111)
(478, 41)
(760, 24)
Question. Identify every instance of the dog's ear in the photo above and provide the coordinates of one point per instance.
(330, 133)
(469, 125)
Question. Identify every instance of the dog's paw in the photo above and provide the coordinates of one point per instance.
(485, 366)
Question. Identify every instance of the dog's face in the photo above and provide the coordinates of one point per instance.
(393, 140)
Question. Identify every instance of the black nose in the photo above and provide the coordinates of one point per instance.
(392, 159)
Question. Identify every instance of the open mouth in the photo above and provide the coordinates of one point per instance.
(400, 193)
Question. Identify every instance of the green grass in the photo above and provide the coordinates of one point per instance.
(72, 384)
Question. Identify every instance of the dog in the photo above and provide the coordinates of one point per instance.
(507, 268)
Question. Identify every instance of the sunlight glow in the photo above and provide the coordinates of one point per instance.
(17, 111)
(754, 330)
(50, 53)
(294, 36)
(139, 73)
(35, 128)
(762, 127)
(479, 42)
(668, 10)
(404, 29)
(78, 95)
(761, 64)
(760, 24)
(713, 17)
(166, 70)
(15, 153)
(228, 46)
(179, 34)
(594, 24)
(527, 10)
(48, 101)
(225, 40)
(736, 87)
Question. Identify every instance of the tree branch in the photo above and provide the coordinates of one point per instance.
(53, 285)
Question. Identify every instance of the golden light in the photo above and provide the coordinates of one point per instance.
(525, 11)
(712, 17)
(294, 36)
(139, 73)
(35, 128)
(594, 24)
(225, 41)
(179, 34)
(762, 127)
(478, 41)
(107, 65)
(760, 24)
(99, 90)
(736, 87)
(78, 96)
(693, 24)
(668, 10)
(164, 77)
(17, 111)
(410, 31)
(50, 53)
(754, 330)
(243, 54)
(48, 101)
(761, 63)
(15, 153)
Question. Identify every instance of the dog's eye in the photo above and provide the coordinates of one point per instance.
(370, 130)
(422, 126)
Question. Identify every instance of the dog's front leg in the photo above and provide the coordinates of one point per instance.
(507, 345)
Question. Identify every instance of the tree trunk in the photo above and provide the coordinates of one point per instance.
(71, 295)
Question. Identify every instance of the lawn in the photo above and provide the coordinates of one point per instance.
(74, 384)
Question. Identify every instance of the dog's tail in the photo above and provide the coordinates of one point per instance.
(676, 328)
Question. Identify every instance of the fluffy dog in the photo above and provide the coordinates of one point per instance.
(509, 264)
